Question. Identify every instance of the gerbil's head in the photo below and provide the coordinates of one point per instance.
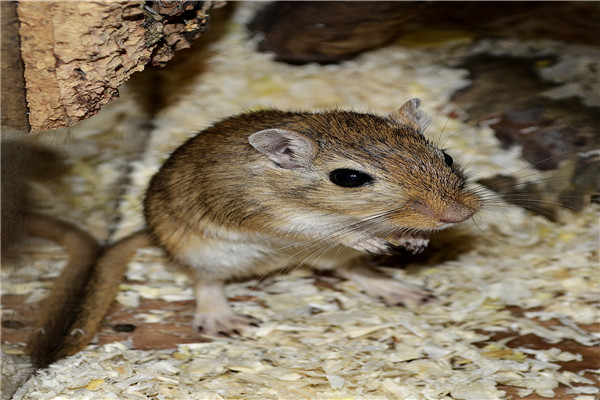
(352, 173)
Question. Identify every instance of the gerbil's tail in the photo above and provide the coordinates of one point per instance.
(61, 302)
(97, 297)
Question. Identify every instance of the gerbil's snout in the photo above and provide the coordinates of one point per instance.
(436, 216)
(455, 212)
(421, 217)
(439, 211)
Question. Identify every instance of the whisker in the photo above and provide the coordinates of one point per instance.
(439, 138)
(315, 249)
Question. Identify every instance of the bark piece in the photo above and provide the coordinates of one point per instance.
(329, 31)
(77, 54)
(300, 32)
(14, 107)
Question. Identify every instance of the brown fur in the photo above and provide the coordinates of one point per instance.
(223, 209)
(189, 190)
(102, 287)
(61, 303)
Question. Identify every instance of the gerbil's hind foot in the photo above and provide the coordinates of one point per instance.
(213, 316)
(223, 324)
(392, 292)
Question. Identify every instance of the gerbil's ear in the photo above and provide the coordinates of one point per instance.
(409, 114)
(289, 149)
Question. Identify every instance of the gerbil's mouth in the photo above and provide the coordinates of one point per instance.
(416, 242)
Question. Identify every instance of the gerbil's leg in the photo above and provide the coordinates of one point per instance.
(213, 314)
(378, 285)
(211, 262)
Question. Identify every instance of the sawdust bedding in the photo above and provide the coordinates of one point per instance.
(330, 340)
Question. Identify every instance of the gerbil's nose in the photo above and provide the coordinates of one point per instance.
(454, 212)
(445, 212)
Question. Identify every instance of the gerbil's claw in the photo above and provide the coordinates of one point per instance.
(232, 333)
(77, 331)
(252, 321)
(396, 250)
(213, 316)
(402, 249)
(418, 249)
(427, 297)
(229, 325)
(415, 243)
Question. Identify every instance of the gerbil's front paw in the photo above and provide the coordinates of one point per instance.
(415, 243)
(228, 324)
(373, 245)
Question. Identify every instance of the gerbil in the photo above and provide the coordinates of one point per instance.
(266, 190)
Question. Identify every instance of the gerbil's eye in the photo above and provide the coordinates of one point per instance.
(447, 159)
(349, 178)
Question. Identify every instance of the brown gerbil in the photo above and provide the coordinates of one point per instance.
(265, 190)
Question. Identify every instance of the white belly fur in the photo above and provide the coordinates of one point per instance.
(222, 259)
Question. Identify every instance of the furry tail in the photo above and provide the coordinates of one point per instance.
(96, 299)
(62, 301)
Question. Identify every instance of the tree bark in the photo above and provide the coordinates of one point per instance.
(13, 105)
(76, 54)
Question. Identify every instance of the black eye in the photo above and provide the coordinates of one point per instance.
(349, 177)
(448, 160)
